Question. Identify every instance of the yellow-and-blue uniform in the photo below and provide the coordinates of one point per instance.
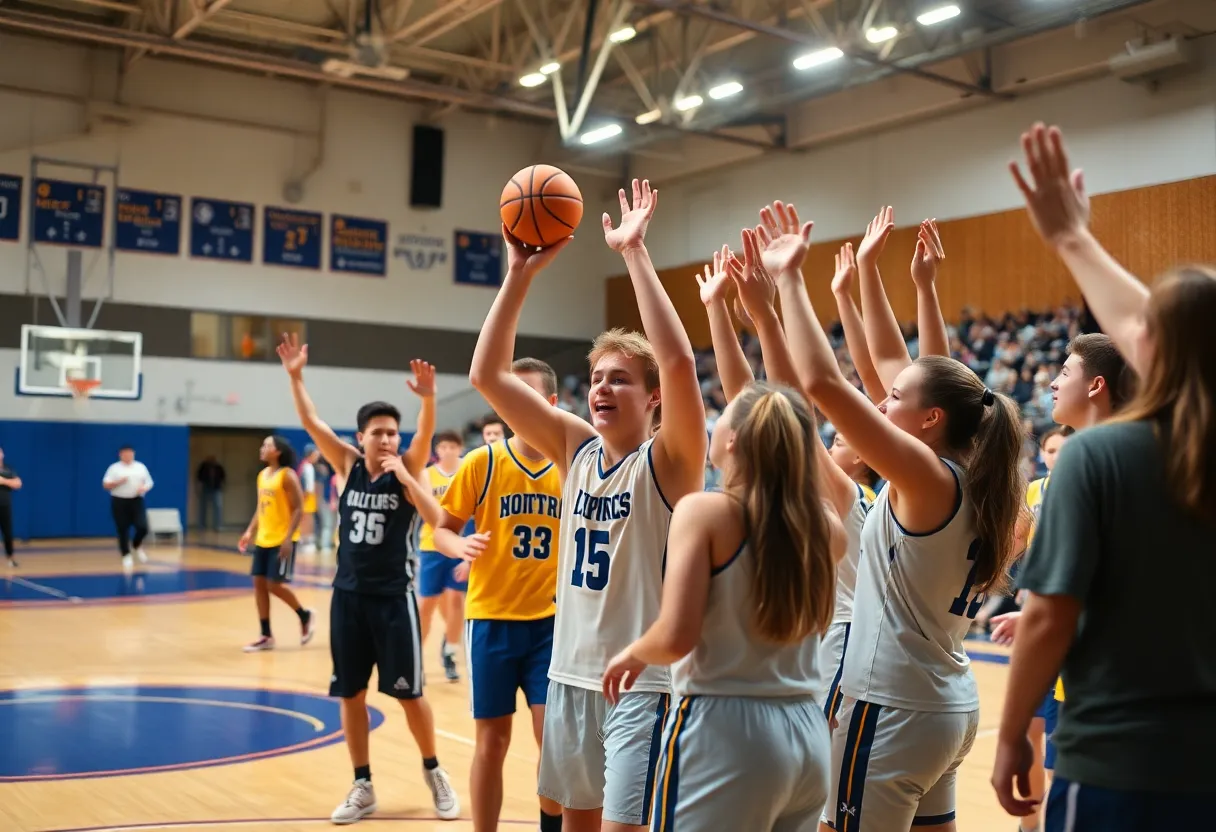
(274, 521)
(510, 605)
(436, 571)
(1049, 709)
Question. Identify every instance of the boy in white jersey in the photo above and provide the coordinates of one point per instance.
(621, 478)
(749, 588)
(936, 539)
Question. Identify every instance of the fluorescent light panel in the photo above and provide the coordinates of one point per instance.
(550, 68)
(532, 79)
(881, 34)
(938, 15)
(649, 117)
(817, 58)
(623, 34)
(689, 102)
(725, 90)
(599, 134)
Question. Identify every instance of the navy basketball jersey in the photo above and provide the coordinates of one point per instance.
(375, 534)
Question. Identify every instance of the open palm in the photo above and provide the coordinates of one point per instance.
(292, 353)
(717, 280)
(877, 232)
(423, 382)
(783, 238)
(634, 218)
(929, 254)
(846, 270)
(1055, 197)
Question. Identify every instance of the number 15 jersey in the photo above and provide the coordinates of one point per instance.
(610, 565)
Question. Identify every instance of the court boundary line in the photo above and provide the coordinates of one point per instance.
(187, 824)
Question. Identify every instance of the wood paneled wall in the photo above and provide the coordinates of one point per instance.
(994, 263)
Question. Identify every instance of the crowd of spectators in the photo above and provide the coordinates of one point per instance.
(1018, 354)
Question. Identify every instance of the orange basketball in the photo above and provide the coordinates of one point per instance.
(541, 205)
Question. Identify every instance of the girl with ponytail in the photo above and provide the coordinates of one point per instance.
(749, 588)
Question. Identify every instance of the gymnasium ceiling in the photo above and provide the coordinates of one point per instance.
(472, 54)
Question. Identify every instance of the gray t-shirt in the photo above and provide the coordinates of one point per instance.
(1140, 678)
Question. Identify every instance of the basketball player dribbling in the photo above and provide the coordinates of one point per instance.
(373, 617)
(621, 478)
(275, 533)
(513, 496)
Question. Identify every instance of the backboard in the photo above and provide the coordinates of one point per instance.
(52, 356)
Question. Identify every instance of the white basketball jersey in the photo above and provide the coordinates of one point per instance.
(610, 565)
(914, 604)
(730, 658)
(846, 568)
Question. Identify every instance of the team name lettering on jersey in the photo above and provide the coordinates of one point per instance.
(545, 505)
(372, 502)
(603, 508)
(439, 490)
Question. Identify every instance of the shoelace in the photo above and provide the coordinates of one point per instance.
(440, 784)
(358, 791)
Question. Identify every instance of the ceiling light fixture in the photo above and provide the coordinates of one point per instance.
(532, 79)
(623, 34)
(817, 58)
(550, 68)
(725, 90)
(649, 117)
(938, 15)
(881, 34)
(599, 134)
(689, 102)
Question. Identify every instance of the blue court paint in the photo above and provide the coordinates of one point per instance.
(117, 585)
(65, 733)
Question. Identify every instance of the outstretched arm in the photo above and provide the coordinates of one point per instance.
(682, 442)
(1059, 209)
(930, 324)
(887, 346)
(733, 370)
(854, 328)
(339, 454)
(423, 386)
(551, 430)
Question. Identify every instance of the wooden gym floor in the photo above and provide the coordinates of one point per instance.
(127, 704)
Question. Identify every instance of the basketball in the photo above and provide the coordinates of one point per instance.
(541, 205)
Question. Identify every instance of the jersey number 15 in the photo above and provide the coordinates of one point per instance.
(591, 560)
(964, 604)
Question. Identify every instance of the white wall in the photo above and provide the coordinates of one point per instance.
(246, 137)
(184, 392)
(1124, 136)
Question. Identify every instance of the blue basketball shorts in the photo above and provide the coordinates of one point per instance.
(1049, 712)
(1075, 807)
(505, 657)
(267, 563)
(437, 572)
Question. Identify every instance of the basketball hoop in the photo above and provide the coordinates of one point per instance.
(81, 389)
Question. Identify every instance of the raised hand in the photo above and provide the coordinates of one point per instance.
(786, 239)
(634, 218)
(716, 282)
(423, 382)
(1057, 202)
(877, 232)
(526, 259)
(757, 289)
(929, 254)
(292, 353)
(846, 271)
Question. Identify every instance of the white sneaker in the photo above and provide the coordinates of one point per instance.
(360, 803)
(141, 554)
(128, 563)
(446, 804)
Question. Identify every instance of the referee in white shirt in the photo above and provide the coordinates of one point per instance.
(128, 481)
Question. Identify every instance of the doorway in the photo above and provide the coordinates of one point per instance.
(236, 449)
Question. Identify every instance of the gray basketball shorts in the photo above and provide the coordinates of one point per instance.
(742, 764)
(894, 768)
(596, 755)
(831, 666)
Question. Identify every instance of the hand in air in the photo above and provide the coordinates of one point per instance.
(474, 546)
(785, 240)
(846, 271)
(716, 283)
(292, 353)
(622, 672)
(1005, 628)
(631, 233)
(757, 290)
(877, 232)
(522, 257)
(929, 254)
(1012, 767)
(1056, 201)
(423, 382)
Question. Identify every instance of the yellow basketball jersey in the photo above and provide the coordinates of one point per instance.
(1059, 690)
(518, 501)
(869, 492)
(1036, 492)
(439, 482)
(274, 509)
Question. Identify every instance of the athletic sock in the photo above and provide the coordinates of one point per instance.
(363, 773)
(550, 823)
(448, 649)
(303, 613)
(266, 627)
(430, 763)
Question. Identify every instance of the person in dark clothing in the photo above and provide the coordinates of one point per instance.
(210, 478)
(9, 482)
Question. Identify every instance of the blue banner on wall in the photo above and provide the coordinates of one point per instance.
(291, 238)
(221, 230)
(358, 245)
(10, 206)
(478, 258)
(148, 221)
(69, 213)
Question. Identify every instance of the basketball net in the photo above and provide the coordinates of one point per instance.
(82, 388)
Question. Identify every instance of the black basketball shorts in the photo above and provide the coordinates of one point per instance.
(381, 631)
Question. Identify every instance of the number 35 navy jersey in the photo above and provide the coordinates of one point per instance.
(375, 534)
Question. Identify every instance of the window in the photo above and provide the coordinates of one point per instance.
(240, 337)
